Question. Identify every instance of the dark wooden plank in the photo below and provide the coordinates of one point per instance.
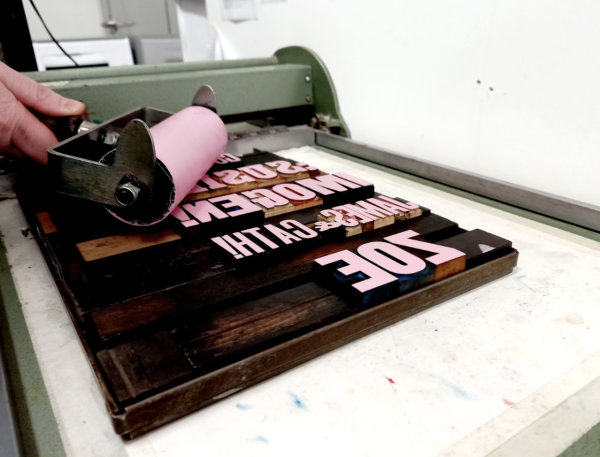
(161, 359)
(247, 328)
(231, 285)
(137, 368)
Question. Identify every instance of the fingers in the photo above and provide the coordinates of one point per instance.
(31, 137)
(37, 96)
(12, 152)
(20, 130)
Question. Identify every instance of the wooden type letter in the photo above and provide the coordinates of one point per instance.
(335, 190)
(235, 180)
(293, 237)
(203, 211)
(245, 247)
(263, 175)
(224, 212)
(299, 197)
(412, 272)
(288, 171)
(355, 278)
(303, 232)
(332, 225)
(446, 261)
(399, 213)
(413, 209)
(272, 204)
(239, 203)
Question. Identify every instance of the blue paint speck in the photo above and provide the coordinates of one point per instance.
(261, 439)
(297, 400)
(242, 406)
(453, 387)
(436, 329)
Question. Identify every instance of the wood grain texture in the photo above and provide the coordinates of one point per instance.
(118, 244)
(46, 223)
(134, 369)
(222, 335)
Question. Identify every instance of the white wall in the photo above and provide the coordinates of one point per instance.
(66, 19)
(407, 77)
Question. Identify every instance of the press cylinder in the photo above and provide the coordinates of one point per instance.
(187, 144)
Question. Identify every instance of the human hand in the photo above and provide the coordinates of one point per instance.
(21, 133)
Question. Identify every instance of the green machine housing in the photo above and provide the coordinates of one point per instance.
(293, 87)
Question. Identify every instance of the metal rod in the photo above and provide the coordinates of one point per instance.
(564, 209)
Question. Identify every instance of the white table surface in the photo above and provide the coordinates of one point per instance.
(486, 372)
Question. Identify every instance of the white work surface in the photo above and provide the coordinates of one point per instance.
(487, 372)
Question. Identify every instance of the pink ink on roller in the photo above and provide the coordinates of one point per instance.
(187, 144)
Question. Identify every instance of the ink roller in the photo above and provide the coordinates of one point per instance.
(141, 165)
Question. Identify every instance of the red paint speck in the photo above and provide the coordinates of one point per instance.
(390, 380)
(507, 402)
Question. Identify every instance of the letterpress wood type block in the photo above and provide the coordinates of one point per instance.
(444, 260)
(248, 248)
(335, 190)
(288, 170)
(235, 180)
(264, 176)
(479, 246)
(412, 272)
(355, 278)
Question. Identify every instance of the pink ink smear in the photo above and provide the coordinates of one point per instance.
(390, 380)
(507, 402)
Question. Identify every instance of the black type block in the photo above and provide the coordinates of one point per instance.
(479, 246)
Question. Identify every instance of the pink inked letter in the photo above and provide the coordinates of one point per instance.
(246, 206)
(284, 236)
(378, 277)
(243, 241)
(233, 177)
(327, 184)
(410, 263)
(443, 253)
(285, 167)
(266, 198)
(304, 231)
(259, 236)
(202, 211)
(221, 242)
(294, 192)
(259, 172)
